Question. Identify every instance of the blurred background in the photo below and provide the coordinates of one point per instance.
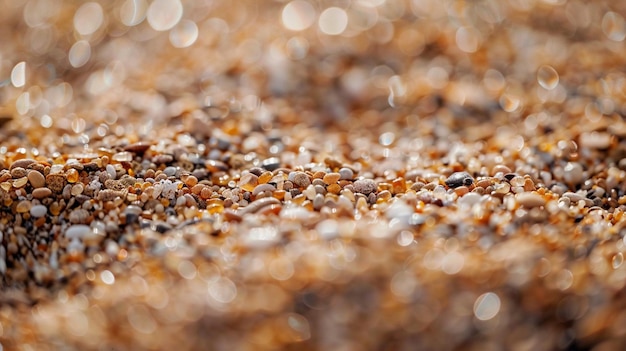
(405, 82)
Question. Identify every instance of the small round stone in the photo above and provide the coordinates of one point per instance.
(38, 211)
(271, 163)
(36, 179)
(72, 176)
(23, 206)
(331, 178)
(301, 179)
(78, 231)
(458, 179)
(79, 216)
(56, 182)
(346, 173)
(573, 173)
(18, 172)
(191, 181)
(110, 169)
(364, 186)
(41, 193)
(500, 169)
(123, 156)
(530, 200)
(170, 171)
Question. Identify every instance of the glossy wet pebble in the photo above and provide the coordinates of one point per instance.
(458, 179)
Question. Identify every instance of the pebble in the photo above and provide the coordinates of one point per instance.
(123, 156)
(328, 229)
(575, 197)
(271, 163)
(41, 193)
(79, 216)
(132, 209)
(38, 211)
(301, 179)
(191, 181)
(595, 140)
(110, 169)
(18, 172)
(530, 200)
(257, 205)
(458, 179)
(77, 231)
(364, 186)
(36, 179)
(500, 169)
(56, 182)
(170, 171)
(23, 206)
(20, 182)
(573, 173)
(469, 199)
(263, 188)
(331, 178)
(346, 173)
(138, 148)
(23, 163)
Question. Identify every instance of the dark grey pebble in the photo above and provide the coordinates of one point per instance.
(458, 179)
(271, 163)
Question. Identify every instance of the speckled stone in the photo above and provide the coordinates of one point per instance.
(364, 186)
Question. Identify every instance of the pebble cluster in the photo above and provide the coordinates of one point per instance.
(334, 175)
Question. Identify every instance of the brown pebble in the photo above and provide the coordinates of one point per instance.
(23, 163)
(483, 183)
(41, 193)
(138, 148)
(109, 195)
(301, 179)
(36, 179)
(462, 190)
(23, 206)
(334, 188)
(331, 178)
(258, 205)
(500, 169)
(196, 189)
(18, 172)
(206, 192)
(56, 182)
(319, 175)
(191, 181)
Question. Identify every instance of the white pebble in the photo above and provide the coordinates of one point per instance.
(111, 171)
(530, 200)
(38, 211)
(77, 231)
(575, 197)
(328, 229)
(469, 199)
(573, 173)
(261, 237)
